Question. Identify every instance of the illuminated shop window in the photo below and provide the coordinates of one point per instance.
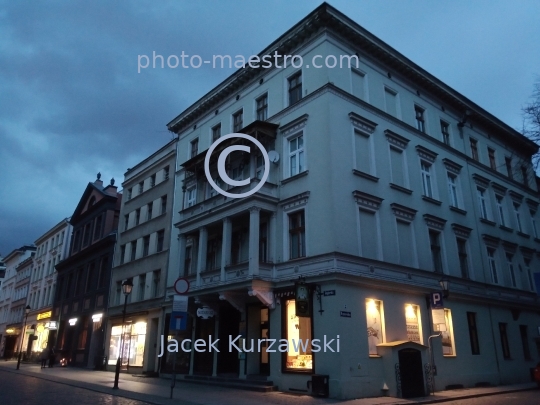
(448, 345)
(133, 344)
(375, 324)
(414, 324)
(298, 331)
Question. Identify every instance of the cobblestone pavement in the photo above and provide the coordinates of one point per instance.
(18, 389)
(513, 398)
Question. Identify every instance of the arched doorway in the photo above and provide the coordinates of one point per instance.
(411, 373)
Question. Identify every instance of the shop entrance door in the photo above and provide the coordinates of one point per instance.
(229, 325)
(265, 334)
(412, 376)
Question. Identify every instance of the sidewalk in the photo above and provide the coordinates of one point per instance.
(157, 390)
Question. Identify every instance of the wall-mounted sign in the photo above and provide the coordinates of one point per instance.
(97, 317)
(44, 315)
(205, 312)
(436, 299)
(181, 286)
(345, 314)
(329, 292)
(51, 325)
(72, 321)
(10, 331)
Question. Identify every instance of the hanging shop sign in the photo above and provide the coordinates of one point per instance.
(205, 312)
(51, 325)
(179, 313)
(44, 315)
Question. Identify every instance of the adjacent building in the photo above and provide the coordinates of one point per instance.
(142, 256)
(51, 248)
(13, 294)
(384, 182)
(83, 276)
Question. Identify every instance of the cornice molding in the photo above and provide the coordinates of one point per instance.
(403, 213)
(367, 201)
(362, 124)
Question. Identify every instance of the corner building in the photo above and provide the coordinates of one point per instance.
(387, 182)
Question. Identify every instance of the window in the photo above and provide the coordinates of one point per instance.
(156, 279)
(481, 194)
(390, 100)
(126, 222)
(500, 209)
(160, 238)
(122, 254)
(473, 333)
(492, 162)
(296, 155)
(426, 179)
(129, 193)
(525, 341)
(508, 164)
(452, 190)
(298, 334)
(518, 217)
(211, 254)
(509, 260)
(420, 120)
(141, 187)
(504, 340)
(79, 284)
(448, 335)
(191, 196)
(102, 270)
(188, 260)
(262, 107)
(263, 243)
(375, 325)
(445, 131)
(358, 84)
(194, 147)
(435, 244)
(142, 287)
(86, 237)
(474, 149)
(137, 216)
(295, 88)
(166, 173)
(118, 294)
(133, 247)
(146, 245)
(163, 204)
(463, 259)
(492, 265)
(529, 274)
(98, 227)
(152, 180)
(90, 276)
(533, 224)
(259, 170)
(297, 235)
(216, 132)
(524, 175)
(149, 208)
(413, 322)
(238, 120)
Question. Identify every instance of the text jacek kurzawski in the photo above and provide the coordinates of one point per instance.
(253, 345)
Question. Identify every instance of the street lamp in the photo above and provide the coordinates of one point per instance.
(26, 311)
(127, 286)
(443, 282)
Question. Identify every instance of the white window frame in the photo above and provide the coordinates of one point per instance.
(482, 202)
(499, 202)
(191, 200)
(427, 184)
(419, 108)
(287, 83)
(511, 269)
(296, 153)
(533, 224)
(492, 261)
(448, 133)
(517, 215)
(453, 189)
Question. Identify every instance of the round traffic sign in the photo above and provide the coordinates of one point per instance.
(181, 286)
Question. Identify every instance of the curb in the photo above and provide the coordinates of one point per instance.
(470, 396)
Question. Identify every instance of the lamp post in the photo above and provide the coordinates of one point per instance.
(127, 286)
(443, 282)
(26, 311)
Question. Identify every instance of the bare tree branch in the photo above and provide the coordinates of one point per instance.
(531, 115)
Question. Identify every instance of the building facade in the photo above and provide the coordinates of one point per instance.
(83, 276)
(13, 292)
(386, 181)
(51, 248)
(142, 256)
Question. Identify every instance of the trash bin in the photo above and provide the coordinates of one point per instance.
(100, 363)
(320, 386)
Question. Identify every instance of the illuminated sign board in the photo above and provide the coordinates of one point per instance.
(44, 315)
(97, 317)
(72, 321)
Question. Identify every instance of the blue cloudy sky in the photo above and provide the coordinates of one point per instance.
(72, 102)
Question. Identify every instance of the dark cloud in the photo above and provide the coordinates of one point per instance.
(72, 102)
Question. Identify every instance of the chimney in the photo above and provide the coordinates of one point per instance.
(111, 189)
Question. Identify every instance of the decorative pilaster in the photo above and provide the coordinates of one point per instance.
(201, 258)
(226, 246)
(254, 229)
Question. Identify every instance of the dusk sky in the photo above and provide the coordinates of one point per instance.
(72, 103)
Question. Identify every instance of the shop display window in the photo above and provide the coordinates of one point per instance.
(375, 325)
(298, 329)
(133, 342)
(414, 323)
(448, 345)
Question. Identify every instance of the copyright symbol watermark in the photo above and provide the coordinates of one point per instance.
(223, 172)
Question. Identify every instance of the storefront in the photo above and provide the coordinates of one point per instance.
(38, 329)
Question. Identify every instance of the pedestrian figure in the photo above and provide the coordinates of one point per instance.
(44, 357)
(52, 356)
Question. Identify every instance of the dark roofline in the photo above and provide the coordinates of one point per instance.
(20, 250)
(326, 16)
(131, 169)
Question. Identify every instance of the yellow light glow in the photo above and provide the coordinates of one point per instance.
(409, 311)
(371, 306)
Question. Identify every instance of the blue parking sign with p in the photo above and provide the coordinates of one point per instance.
(437, 300)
